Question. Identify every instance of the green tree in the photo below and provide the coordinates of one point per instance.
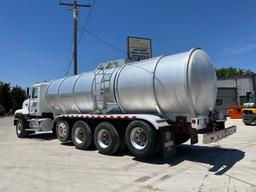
(5, 96)
(11, 98)
(18, 95)
(232, 71)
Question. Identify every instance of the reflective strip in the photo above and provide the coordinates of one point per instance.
(100, 116)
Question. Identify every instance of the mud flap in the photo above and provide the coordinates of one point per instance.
(168, 142)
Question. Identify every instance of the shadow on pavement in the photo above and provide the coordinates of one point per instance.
(68, 143)
(221, 159)
(42, 136)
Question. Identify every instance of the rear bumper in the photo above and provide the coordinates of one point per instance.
(218, 135)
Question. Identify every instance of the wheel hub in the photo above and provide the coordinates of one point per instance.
(138, 138)
(62, 129)
(79, 135)
(104, 138)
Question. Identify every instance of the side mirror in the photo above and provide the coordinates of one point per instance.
(28, 92)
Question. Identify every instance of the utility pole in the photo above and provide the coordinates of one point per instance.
(74, 6)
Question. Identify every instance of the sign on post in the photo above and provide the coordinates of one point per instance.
(139, 48)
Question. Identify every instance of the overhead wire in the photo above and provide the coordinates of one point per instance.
(86, 22)
(95, 36)
(83, 29)
(104, 41)
(70, 58)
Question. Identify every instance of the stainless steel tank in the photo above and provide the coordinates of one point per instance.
(179, 84)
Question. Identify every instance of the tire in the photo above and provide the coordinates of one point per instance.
(246, 123)
(120, 128)
(106, 138)
(20, 129)
(140, 139)
(63, 131)
(82, 136)
(181, 138)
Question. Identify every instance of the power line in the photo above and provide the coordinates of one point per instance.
(75, 6)
(107, 43)
(70, 58)
(86, 22)
(95, 36)
(83, 29)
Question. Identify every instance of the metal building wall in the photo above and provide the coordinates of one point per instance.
(243, 84)
(226, 97)
(233, 91)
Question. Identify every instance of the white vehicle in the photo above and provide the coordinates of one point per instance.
(163, 101)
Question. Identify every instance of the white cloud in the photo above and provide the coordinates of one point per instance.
(246, 48)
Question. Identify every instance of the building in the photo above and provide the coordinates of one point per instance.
(234, 91)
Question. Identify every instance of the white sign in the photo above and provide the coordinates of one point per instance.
(139, 48)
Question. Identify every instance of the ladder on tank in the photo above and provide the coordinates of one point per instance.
(102, 78)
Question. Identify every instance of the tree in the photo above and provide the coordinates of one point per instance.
(18, 95)
(231, 71)
(11, 98)
(5, 96)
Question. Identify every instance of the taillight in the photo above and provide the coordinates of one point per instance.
(193, 121)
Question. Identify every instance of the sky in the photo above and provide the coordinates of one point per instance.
(36, 35)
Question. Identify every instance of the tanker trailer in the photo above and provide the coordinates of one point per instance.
(145, 105)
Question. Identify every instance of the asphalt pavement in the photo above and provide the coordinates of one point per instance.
(41, 163)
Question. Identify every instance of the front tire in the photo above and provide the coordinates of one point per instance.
(20, 129)
(140, 138)
(106, 138)
(63, 130)
(82, 135)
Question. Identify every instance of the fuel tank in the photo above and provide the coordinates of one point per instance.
(179, 84)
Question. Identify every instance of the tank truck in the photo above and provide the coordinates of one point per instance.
(147, 106)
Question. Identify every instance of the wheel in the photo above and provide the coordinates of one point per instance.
(140, 138)
(181, 138)
(63, 130)
(20, 129)
(246, 123)
(82, 135)
(106, 138)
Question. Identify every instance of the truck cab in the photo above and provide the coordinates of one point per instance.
(35, 105)
(35, 114)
